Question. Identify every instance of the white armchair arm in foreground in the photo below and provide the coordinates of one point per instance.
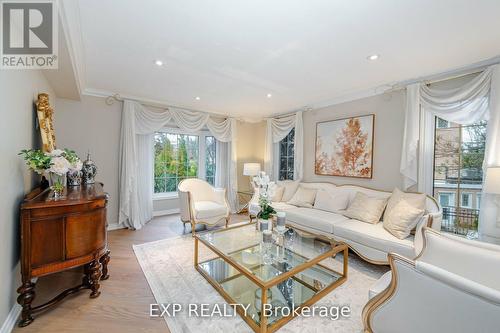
(201, 203)
(452, 286)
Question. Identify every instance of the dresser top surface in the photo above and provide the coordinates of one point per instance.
(73, 195)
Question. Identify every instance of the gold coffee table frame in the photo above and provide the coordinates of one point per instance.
(337, 247)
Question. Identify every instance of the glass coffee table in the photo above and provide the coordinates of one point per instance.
(286, 275)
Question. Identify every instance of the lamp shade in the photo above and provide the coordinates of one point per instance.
(251, 169)
(492, 181)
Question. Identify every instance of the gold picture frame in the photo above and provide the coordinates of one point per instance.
(45, 119)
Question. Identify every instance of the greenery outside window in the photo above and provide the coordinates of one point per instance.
(179, 155)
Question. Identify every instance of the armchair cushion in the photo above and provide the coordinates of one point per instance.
(380, 285)
(208, 209)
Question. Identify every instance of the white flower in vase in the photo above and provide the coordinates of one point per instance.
(56, 153)
(59, 166)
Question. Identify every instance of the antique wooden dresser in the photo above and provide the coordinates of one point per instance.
(59, 234)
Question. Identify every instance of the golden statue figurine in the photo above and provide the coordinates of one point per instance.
(45, 112)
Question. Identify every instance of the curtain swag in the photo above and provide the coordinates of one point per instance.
(136, 155)
(276, 130)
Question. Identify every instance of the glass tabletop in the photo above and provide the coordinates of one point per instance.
(288, 249)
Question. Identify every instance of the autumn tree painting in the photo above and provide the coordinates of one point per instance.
(344, 147)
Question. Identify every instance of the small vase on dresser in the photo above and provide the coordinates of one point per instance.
(89, 170)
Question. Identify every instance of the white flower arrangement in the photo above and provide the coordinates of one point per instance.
(266, 192)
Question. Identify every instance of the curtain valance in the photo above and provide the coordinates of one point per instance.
(276, 130)
(136, 139)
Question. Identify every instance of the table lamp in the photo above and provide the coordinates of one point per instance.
(251, 170)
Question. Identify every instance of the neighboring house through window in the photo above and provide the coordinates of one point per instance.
(286, 153)
(458, 173)
(179, 155)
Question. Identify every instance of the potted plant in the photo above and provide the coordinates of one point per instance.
(266, 192)
(54, 165)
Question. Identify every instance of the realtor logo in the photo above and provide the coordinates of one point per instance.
(29, 35)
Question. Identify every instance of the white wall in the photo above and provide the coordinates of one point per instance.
(18, 92)
(91, 125)
(389, 120)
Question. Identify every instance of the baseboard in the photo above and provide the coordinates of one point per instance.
(166, 212)
(114, 226)
(11, 320)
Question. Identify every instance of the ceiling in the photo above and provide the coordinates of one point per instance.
(233, 53)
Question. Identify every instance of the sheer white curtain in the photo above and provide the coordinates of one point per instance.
(276, 130)
(474, 101)
(136, 155)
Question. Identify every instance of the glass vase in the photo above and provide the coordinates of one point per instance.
(57, 184)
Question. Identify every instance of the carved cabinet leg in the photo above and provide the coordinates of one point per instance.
(95, 275)
(26, 296)
(104, 262)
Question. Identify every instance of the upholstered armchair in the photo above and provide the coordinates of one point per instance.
(201, 203)
(452, 286)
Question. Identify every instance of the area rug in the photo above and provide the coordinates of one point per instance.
(168, 267)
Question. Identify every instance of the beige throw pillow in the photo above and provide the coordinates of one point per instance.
(416, 200)
(331, 201)
(290, 189)
(402, 218)
(365, 208)
(278, 193)
(304, 197)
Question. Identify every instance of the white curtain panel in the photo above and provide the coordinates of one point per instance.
(276, 130)
(136, 155)
(474, 101)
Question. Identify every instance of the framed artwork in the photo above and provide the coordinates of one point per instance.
(45, 114)
(344, 147)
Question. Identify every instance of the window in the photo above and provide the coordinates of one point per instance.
(447, 199)
(178, 156)
(210, 155)
(458, 173)
(466, 200)
(286, 154)
(441, 123)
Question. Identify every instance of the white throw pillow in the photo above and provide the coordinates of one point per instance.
(365, 208)
(331, 201)
(416, 200)
(304, 197)
(402, 218)
(278, 193)
(290, 189)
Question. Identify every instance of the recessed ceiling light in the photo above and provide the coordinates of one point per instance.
(158, 63)
(373, 57)
(269, 95)
(197, 98)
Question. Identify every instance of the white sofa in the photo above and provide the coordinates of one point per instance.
(453, 286)
(370, 241)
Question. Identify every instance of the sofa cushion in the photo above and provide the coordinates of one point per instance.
(402, 218)
(333, 201)
(304, 197)
(290, 188)
(416, 200)
(315, 218)
(365, 208)
(375, 236)
(208, 209)
(278, 193)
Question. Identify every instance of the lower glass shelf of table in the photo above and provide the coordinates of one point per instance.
(284, 276)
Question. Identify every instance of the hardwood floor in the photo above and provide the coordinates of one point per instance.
(125, 298)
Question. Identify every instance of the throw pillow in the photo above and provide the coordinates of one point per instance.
(290, 189)
(331, 201)
(278, 193)
(416, 200)
(304, 197)
(365, 208)
(402, 218)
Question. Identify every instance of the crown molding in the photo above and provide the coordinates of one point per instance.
(69, 14)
